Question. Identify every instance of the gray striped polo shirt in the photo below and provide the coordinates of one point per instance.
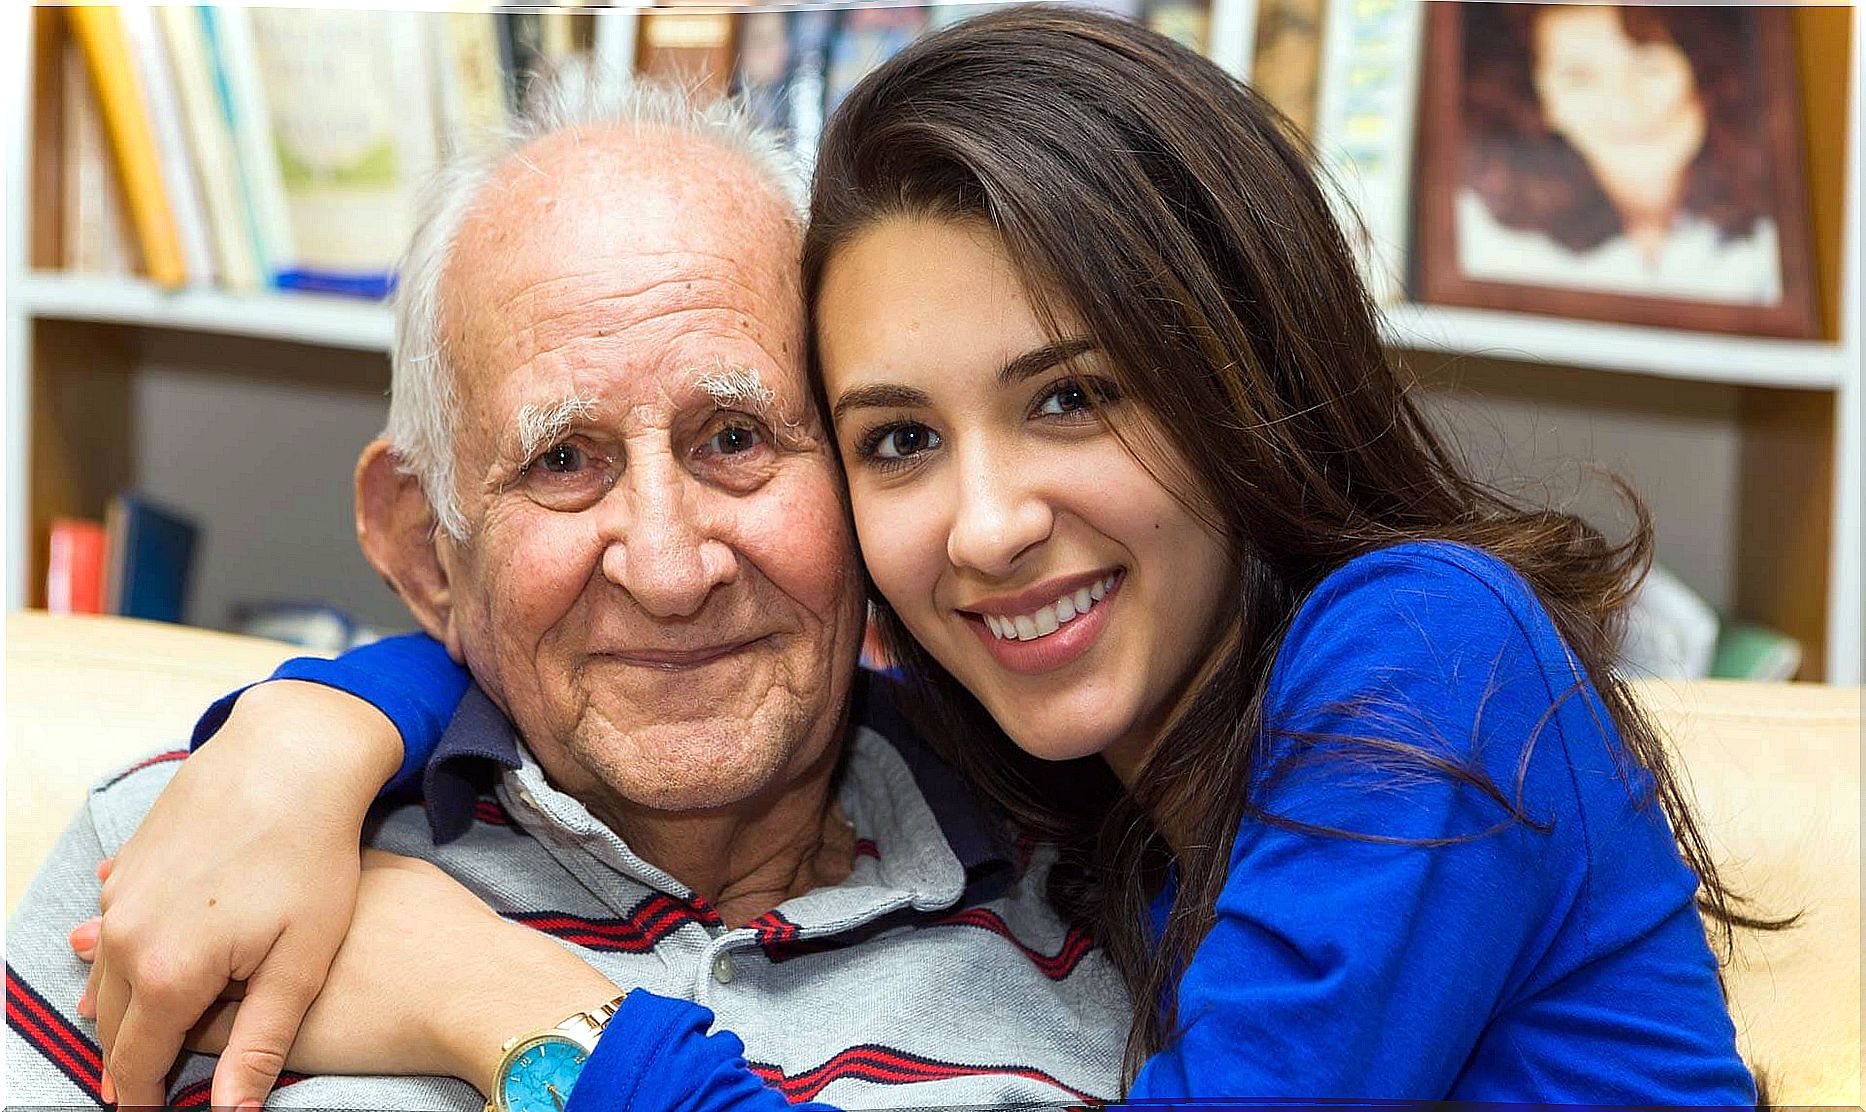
(935, 975)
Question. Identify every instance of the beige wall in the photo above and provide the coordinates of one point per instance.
(1549, 430)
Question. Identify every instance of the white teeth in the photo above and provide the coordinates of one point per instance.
(1048, 619)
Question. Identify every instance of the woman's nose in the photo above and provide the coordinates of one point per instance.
(998, 518)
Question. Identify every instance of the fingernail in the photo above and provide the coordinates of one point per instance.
(83, 937)
(107, 1088)
(103, 869)
(87, 1007)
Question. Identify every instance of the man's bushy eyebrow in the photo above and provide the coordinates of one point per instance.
(736, 386)
(539, 425)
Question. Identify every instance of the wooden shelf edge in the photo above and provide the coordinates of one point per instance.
(342, 322)
(297, 318)
(1668, 353)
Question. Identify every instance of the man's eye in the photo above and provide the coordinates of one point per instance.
(563, 459)
(900, 442)
(734, 440)
(1074, 396)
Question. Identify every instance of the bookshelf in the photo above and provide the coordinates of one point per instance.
(1784, 415)
(341, 322)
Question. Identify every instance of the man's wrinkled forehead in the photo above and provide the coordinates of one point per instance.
(620, 241)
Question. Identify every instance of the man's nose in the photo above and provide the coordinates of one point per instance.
(997, 517)
(657, 547)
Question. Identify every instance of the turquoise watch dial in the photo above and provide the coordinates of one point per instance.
(539, 1077)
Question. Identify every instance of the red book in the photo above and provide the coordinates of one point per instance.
(74, 578)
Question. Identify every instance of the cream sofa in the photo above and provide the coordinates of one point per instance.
(1776, 770)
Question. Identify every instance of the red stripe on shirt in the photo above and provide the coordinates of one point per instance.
(491, 813)
(147, 762)
(55, 1038)
(1076, 943)
(887, 1066)
(197, 1094)
(651, 921)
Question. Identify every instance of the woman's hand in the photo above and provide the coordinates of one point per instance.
(429, 981)
(245, 870)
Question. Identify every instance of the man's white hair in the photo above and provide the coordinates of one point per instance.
(423, 404)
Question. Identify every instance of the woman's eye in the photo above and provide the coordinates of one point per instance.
(1073, 396)
(900, 442)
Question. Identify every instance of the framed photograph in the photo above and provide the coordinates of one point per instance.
(1639, 164)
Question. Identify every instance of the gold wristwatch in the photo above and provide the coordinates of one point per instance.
(538, 1070)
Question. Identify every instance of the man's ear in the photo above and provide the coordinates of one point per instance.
(400, 538)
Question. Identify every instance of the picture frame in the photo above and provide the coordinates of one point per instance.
(1640, 165)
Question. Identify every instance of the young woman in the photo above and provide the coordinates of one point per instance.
(1328, 733)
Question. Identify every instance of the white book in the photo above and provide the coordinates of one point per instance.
(469, 81)
(613, 47)
(230, 33)
(96, 235)
(211, 143)
(177, 164)
(353, 127)
(1364, 130)
(1233, 34)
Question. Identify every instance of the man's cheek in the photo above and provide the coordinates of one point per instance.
(805, 530)
(537, 565)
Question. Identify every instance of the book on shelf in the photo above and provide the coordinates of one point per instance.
(150, 559)
(136, 563)
(762, 68)
(692, 49)
(532, 44)
(1748, 651)
(162, 102)
(1365, 126)
(1187, 22)
(807, 82)
(284, 148)
(210, 147)
(865, 38)
(94, 236)
(470, 83)
(352, 123)
(74, 569)
(228, 33)
(111, 64)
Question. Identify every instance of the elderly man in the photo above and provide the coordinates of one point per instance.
(605, 492)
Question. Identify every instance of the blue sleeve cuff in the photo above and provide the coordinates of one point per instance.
(655, 1056)
(410, 678)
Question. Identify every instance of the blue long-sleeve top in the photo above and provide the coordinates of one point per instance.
(1449, 951)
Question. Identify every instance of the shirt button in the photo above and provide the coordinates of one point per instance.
(722, 969)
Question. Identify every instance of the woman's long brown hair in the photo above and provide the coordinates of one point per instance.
(1157, 201)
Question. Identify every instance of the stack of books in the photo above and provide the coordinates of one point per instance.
(137, 562)
(283, 148)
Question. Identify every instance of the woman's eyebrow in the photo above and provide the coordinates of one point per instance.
(881, 395)
(887, 395)
(1038, 360)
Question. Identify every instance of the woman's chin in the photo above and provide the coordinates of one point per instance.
(1061, 737)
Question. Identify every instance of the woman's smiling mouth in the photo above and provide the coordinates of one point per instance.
(1029, 636)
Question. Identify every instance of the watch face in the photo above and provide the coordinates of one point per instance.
(539, 1076)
